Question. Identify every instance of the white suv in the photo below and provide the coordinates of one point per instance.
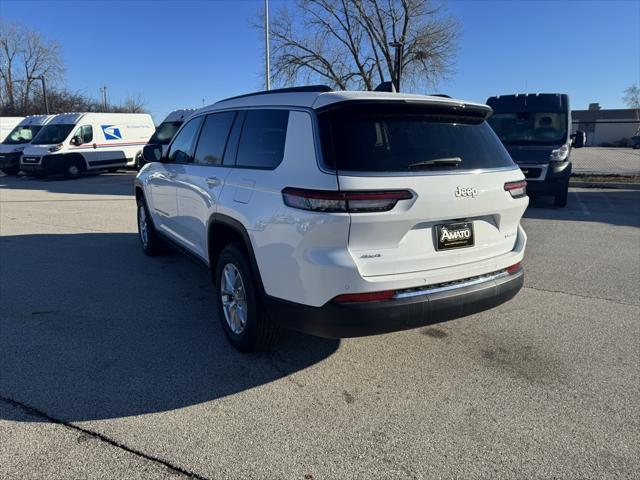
(339, 213)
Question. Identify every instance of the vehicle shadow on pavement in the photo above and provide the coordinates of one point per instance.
(91, 328)
(612, 206)
(120, 183)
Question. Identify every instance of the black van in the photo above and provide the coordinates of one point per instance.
(536, 130)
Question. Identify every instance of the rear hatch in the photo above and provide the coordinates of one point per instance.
(453, 166)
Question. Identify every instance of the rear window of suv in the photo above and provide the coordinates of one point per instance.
(398, 137)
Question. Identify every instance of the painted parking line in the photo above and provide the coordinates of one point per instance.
(583, 206)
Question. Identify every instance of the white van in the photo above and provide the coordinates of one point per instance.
(7, 124)
(166, 130)
(72, 143)
(13, 145)
(170, 125)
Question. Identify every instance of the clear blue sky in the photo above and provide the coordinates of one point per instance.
(177, 53)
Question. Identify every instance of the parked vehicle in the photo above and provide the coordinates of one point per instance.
(13, 145)
(167, 129)
(635, 142)
(536, 130)
(7, 124)
(170, 125)
(72, 143)
(339, 214)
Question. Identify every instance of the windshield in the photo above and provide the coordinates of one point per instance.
(22, 134)
(530, 128)
(401, 137)
(165, 132)
(52, 134)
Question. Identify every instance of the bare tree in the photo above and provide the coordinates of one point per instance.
(347, 42)
(131, 104)
(25, 55)
(631, 99)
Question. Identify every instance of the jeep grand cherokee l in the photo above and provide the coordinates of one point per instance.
(339, 213)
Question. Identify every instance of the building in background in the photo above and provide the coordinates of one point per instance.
(606, 128)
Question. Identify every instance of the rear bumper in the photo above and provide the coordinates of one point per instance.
(340, 320)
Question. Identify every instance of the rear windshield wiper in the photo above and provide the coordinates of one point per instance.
(437, 162)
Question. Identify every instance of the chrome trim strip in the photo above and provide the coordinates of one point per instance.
(427, 291)
(422, 173)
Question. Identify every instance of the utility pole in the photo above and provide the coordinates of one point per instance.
(44, 92)
(266, 45)
(399, 46)
(103, 90)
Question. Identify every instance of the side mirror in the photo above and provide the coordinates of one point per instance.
(579, 139)
(152, 153)
(76, 141)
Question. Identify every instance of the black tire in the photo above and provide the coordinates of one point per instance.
(560, 199)
(259, 332)
(152, 244)
(73, 168)
(11, 170)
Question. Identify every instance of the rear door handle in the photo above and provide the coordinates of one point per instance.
(213, 181)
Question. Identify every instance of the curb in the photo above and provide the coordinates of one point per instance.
(614, 185)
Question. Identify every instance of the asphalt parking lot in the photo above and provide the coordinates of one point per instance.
(112, 364)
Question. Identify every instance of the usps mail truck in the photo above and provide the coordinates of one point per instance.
(7, 124)
(165, 132)
(13, 145)
(73, 143)
(170, 125)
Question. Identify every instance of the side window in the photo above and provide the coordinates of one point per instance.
(213, 138)
(87, 133)
(181, 149)
(262, 140)
(84, 133)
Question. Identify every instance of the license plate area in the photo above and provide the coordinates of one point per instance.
(30, 159)
(450, 236)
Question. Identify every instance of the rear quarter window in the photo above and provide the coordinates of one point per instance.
(263, 138)
(393, 137)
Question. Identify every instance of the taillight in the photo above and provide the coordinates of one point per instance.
(516, 267)
(516, 189)
(364, 297)
(334, 201)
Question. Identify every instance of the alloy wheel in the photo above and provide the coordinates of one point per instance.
(234, 300)
(143, 226)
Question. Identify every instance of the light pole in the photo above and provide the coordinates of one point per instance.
(266, 45)
(44, 92)
(399, 46)
(103, 90)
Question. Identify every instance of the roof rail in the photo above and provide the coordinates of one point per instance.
(306, 88)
